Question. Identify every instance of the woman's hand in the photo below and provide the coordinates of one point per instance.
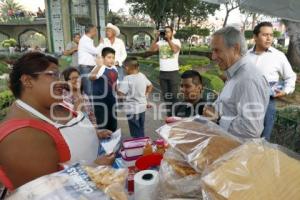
(104, 134)
(106, 159)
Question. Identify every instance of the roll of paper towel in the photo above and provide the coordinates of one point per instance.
(145, 185)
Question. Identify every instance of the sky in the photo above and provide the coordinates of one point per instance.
(115, 5)
(33, 5)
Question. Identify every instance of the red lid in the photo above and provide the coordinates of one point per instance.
(149, 161)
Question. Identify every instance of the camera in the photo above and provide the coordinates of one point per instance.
(162, 34)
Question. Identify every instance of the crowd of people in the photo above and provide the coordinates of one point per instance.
(56, 120)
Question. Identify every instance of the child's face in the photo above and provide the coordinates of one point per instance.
(109, 60)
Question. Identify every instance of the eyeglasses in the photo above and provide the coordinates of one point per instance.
(75, 78)
(53, 74)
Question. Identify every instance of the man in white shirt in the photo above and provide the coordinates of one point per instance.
(169, 49)
(274, 65)
(111, 40)
(87, 53)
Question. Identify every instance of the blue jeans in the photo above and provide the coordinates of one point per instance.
(269, 120)
(85, 81)
(136, 125)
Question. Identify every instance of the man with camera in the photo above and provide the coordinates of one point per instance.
(169, 49)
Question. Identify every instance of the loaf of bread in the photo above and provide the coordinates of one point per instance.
(180, 168)
(178, 180)
(200, 143)
(255, 171)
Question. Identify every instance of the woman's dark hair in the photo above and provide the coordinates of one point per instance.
(66, 74)
(28, 64)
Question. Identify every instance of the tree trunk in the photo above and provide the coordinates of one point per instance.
(178, 23)
(254, 19)
(226, 18)
(293, 53)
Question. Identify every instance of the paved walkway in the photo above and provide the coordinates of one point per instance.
(153, 120)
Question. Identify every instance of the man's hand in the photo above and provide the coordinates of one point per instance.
(279, 93)
(74, 49)
(101, 40)
(149, 106)
(168, 38)
(106, 159)
(209, 112)
(104, 134)
(157, 36)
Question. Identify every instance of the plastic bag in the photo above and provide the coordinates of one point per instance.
(111, 181)
(72, 183)
(177, 179)
(256, 170)
(200, 141)
(76, 182)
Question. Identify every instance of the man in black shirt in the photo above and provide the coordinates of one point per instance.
(191, 87)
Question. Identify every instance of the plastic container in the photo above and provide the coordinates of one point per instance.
(135, 147)
(160, 146)
(129, 161)
(148, 149)
(149, 161)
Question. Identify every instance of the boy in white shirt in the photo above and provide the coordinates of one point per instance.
(135, 89)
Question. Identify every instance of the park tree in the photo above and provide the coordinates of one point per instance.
(113, 18)
(248, 34)
(8, 7)
(156, 9)
(173, 11)
(293, 53)
(230, 5)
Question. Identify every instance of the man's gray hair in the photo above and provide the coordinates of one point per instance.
(233, 36)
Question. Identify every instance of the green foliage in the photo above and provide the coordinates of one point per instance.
(113, 18)
(3, 68)
(64, 62)
(286, 131)
(276, 34)
(212, 81)
(183, 68)
(183, 34)
(8, 43)
(6, 98)
(187, 10)
(3, 85)
(187, 32)
(7, 5)
(196, 61)
(248, 34)
(281, 48)
(202, 48)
